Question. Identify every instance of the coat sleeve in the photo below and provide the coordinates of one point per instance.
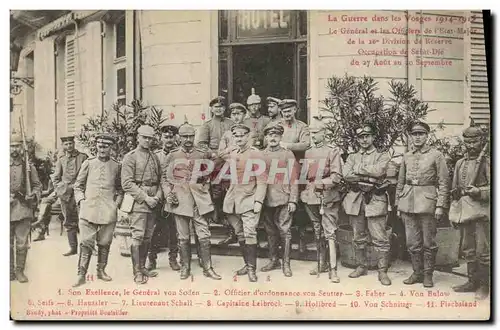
(128, 179)
(443, 199)
(348, 169)
(260, 192)
(165, 176)
(81, 182)
(335, 168)
(294, 177)
(159, 192)
(57, 176)
(401, 179)
(377, 170)
(304, 140)
(485, 190)
(36, 185)
(118, 186)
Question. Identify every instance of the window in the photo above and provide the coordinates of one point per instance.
(121, 86)
(120, 33)
(120, 61)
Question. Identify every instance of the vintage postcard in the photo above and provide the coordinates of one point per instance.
(250, 165)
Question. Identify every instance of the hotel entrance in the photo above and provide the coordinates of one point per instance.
(265, 50)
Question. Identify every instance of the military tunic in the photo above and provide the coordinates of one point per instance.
(476, 234)
(257, 125)
(183, 178)
(242, 195)
(281, 190)
(370, 165)
(140, 178)
(423, 185)
(211, 132)
(98, 192)
(328, 158)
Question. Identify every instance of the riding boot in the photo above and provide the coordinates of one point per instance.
(173, 251)
(274, 262)
(135, 253)
(418, 266)
(243, 271)
(483, 291)
(83, 265)
(185, 252)
(251, 261)
(321, 256)
(383, 266)
(473, 281)
(152, 256)
(429, 262)
(102, 262)
(287, 271)
(12, 264)
(198, 252)
(20, 265)
(206, 260)
(333, 262)
(43, 214)
(144, 248)
(362, 268)
(73, 243)
(302, 239)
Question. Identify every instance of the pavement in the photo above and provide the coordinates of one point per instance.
(49, 295)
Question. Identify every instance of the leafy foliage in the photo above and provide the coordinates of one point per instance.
(353, 102)
(121, 121)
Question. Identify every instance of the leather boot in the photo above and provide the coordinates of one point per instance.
(206, 259)
(230, 239)
(274, 262)
(139, 277)
(332, 275)
(174, 264)
(12, 265)
(144, 248)
(185, 252)
(73, 243)
(418, 266)
(321, 256)
(172, 257)
(198, 252)
(383, 266)
(151, 261)
(362, 269)
(44, 216)
(251, 261)
(302, 240)
(243, 271)
(483, 291)
(429, 262)
(20, 265)
(287, 249)
(102, 262)
(472, 283)
(83, 265)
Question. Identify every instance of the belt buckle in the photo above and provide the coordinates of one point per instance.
(414, 182)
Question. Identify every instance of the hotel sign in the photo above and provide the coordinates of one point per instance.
(262, 23)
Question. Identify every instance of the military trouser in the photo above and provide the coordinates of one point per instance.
(365, 228)
(91, 233)
(200, 225)
(165, 229)
(325, 225)
(19, 244)
(70, 213)
(142, 226)
(421, 232)
(476, 241)
(48, 201)
(277, 221)
(245, 226)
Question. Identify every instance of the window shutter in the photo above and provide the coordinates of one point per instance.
(70, 85)
(479, 98)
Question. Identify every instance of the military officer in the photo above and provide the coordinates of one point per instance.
(321, 198)
(281, 198)
(471, 189)
(422, 194)
(238, 112)
(98, 193)
(273, 108)
(256, 120)
(22, 204)
(67, 168)
(366, 203)
(296, 138)
(245, 196)
(188, 198)
(140, 178)
(165, 227)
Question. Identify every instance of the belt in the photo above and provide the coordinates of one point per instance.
(415, 182)
(147, 183)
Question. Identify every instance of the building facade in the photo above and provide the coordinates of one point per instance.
(85, 61)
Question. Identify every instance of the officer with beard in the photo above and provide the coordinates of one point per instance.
(273, 108)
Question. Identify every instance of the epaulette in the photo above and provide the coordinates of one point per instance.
(175, 149)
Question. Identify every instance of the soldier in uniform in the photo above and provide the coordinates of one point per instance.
(296, 138)
(165, 227)
(281, 198)
(273, 108)
(366, 203)
(140, 178)
(471, 189)
(238, 112)
(209, 136)
(243, 201)
(422, 195)
(97, 193)
(188, 198)
(256, 120)
(22, 205)
(67, 168)
(321, 198)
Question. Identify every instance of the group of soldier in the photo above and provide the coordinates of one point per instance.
(145, 187)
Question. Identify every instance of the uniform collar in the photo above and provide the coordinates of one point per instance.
(74, 153)
(15, 161)
(422, 150)
(319, 145)
(469, 157)
(187, 151)
(368, 152)
(242, 150)
(221, 118)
